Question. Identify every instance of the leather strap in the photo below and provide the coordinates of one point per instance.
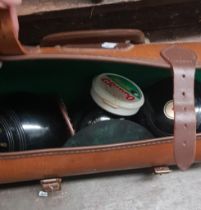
(183, 63)
(9, 44)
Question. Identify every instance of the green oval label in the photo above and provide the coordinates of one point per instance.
(124, 87)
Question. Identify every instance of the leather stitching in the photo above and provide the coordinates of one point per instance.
(80, 151)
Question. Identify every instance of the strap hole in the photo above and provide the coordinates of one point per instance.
(185, 125)
(185, 109)
(183, 93)
(184, 143)
(183, 75)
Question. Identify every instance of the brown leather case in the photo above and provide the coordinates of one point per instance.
(182, 149)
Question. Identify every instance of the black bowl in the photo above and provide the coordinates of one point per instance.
(31, 121)
(109, 132)
(157, 113)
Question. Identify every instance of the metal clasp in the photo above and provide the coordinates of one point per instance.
(50, 185)
(162, 170)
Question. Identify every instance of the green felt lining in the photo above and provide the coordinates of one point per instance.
(71, 79)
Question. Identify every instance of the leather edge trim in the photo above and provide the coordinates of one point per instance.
(136, 61)
(77, 150)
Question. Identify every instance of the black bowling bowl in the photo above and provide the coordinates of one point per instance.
(31, 121)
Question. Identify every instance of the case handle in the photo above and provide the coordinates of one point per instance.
(10, 45)
(183, 63)
(94, 37)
